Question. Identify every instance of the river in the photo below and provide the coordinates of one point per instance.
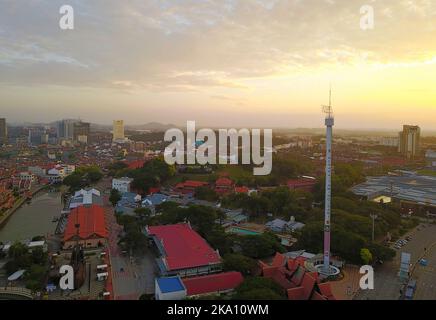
(33, 219)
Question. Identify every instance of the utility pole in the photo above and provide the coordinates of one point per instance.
(373, 216)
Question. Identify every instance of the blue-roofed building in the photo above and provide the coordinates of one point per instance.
(170, 288)
(279, 225)
(128, 203)
(153, 200)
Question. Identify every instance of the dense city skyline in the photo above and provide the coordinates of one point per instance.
(160, 61)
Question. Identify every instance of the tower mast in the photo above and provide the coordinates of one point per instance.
(329, 123)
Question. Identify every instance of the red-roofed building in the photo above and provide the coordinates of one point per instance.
(213, 283)
(242, 190)
(224, 185)
(189, 186)
(136, 164)
(7, 198)
(183, 251)
(295, 279)
(304, 184)
(91, 231)
(153, 190)
(394, 161)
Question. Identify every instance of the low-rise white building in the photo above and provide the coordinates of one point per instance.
(59, 172)
(37, 171)
(85, 197)
(122, 184)
(27, 175)
(430, 156)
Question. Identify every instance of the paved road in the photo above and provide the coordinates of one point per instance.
(131, 277)
(386, 282)
(387, 285)
(426, 275)
(125, 284)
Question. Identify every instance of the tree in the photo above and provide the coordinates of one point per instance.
(345, 243)
(34, 277)
(74, 181)
(239, 262)
(94, 174)
(366, 255)
(206, 193)
(134, 240)
(18, 250)
(114, 197)
(380, 252)
(258, 288)
(153, 173)
(143, 215)
(82, 177)
(260, 246)
(39, 256)
(116, 168)
(258, 294)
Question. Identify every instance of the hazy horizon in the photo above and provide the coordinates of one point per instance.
(226, 63)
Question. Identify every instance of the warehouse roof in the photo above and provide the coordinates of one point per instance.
(183, 247)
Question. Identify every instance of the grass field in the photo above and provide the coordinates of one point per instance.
(428, 172)
(234, 172)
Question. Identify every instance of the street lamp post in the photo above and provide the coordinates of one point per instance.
(373, 216)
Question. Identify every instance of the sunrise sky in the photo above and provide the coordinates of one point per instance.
(222, 63)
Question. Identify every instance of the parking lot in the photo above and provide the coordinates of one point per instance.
(425, 274)
(386, 281)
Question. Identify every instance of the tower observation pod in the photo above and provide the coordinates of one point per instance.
(325, 268)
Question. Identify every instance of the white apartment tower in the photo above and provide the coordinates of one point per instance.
(118, 130)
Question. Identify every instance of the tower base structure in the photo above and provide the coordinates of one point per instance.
(331, 272)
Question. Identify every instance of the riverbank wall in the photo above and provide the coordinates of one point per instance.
(17, 205)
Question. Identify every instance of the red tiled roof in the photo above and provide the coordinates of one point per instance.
(193, 184)
(309, 285)
(299, 283)
(213, 283)
(326, 290)
(295, 293)
(280, 278)
(279, 260)
(184, 247)
(318, 296)
(135, 164)
(153, 190)
(91, 220)
(224, 182)
(241, 190)
(301, 182)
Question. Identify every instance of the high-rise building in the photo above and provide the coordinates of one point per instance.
(65, 129)
(409, 141)
(138, 146)
(118, 130)
(36, 136)
(3, 131)
(81, 131)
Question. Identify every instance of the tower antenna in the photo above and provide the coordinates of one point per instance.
(326, 269)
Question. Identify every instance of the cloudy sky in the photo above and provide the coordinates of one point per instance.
(220, 62)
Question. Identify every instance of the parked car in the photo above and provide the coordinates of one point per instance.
(423, 262)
